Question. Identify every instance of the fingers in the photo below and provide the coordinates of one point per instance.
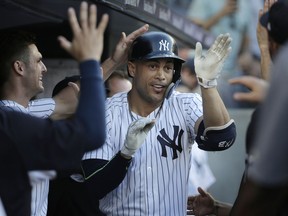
(247, 81)
(131, 37)
(216, 43)
(64, 43)
(83, 15)
(223, 43)
(242, 96)
(103, 23)
(93, 16)
(88, 38)
(73, 21)
(225, 47)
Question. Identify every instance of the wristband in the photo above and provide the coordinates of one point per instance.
(207, 83)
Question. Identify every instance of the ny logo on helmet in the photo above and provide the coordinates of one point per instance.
(164, 45)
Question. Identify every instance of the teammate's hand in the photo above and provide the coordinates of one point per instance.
(208, 67)
(258, 89)
(120, 53)
(136, 135)
(201, 205)
(87, 42)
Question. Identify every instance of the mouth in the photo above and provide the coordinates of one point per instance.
(159, 88)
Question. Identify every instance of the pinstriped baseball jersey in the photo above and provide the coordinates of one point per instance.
(39, 179)
(157, 180)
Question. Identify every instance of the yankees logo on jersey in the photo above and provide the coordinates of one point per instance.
(156, 181)
(166, 141)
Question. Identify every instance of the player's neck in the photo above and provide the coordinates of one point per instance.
(15, 94)
(141, 107)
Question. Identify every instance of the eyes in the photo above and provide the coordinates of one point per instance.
(154, 66)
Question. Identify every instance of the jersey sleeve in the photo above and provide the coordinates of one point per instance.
(42, 108)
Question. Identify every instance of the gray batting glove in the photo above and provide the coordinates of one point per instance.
(136, 135)
(208, 67)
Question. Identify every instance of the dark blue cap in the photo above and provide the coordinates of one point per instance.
(276, 21)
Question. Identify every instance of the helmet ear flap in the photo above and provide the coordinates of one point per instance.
(177, 71)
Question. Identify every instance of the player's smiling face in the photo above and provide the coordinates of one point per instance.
(151, 78)
(35, 69)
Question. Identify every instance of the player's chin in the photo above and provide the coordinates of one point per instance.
(40, 89)
(157, 98)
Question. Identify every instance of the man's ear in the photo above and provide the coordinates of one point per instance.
(18, 67)
(131, 67)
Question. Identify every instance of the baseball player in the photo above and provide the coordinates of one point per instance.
(156, 180)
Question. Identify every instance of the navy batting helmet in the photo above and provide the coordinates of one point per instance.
(152, 45)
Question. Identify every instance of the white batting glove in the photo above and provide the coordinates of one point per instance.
(136, 135)
(208, 67)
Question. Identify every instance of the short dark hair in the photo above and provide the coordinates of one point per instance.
(13, 45)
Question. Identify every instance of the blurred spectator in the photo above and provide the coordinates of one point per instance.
(189, 81)
(200, 172)
(226, 16)
(117, 82)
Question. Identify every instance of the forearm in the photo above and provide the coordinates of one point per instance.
(222, 209)
(265, 63)
(102, 177)
(108, 66)
(214, 110)
(91, 108)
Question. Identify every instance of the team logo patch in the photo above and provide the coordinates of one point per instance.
(166, 141)
(164, 45)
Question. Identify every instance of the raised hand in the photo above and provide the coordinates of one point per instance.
(120, 53)
(87, 42)
(208, 67)
(258, 88)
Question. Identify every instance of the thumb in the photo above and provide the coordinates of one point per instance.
(198, 50)
(75, 88)
(201, 191)
(149, 125)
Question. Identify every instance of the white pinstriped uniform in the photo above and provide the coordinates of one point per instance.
(39, 179)
(154, 184)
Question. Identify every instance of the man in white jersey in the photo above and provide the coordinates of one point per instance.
(23, 81)
(156, 182)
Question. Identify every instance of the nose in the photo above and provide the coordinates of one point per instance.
(160, 74)
(44, 69)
